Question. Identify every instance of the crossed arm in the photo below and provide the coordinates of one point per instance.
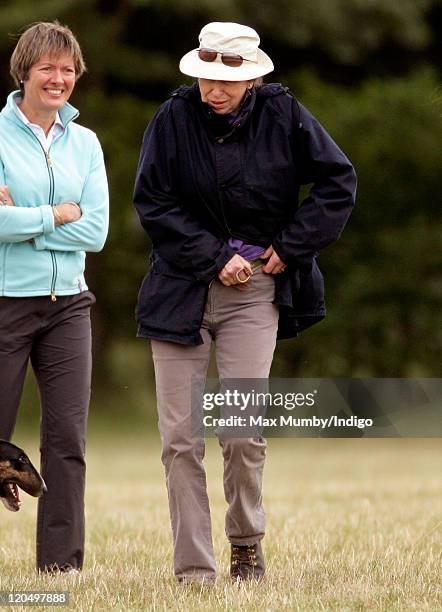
(66, 212)
(68, 226)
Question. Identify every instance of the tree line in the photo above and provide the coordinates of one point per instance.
(370, 72)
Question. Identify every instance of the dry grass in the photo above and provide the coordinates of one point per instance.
(353, 525)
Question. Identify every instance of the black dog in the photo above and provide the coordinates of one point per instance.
(16, 470)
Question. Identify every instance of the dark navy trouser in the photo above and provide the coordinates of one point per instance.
(56, 338)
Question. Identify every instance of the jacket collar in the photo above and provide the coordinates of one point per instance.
(239, 117)
(67, 112)
(191, 92)
(219, 125)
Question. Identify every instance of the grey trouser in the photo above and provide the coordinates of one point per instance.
(56, 338)
(242, 325)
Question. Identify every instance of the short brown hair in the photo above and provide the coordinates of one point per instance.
(43, 38)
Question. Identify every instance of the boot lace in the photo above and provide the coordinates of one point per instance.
(244, 555)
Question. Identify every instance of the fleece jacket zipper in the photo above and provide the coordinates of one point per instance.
(51, 203)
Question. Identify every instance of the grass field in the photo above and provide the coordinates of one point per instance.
(352, 525)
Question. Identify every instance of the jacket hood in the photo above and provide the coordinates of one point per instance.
(67, 112)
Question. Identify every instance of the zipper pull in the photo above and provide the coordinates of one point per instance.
(48, 159)
(53, 297)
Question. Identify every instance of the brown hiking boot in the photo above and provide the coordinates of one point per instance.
(247, 562)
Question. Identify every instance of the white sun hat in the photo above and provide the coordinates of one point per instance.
(227, 38)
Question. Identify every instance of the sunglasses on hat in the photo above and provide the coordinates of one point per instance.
(229, 59)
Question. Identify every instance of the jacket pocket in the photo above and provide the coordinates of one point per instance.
(170, 303)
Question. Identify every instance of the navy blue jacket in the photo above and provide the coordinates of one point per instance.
(196, 187)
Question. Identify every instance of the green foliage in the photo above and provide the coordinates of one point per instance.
(348, 31)
(384, 277)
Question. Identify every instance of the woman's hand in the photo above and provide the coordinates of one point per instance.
(237, 271)
(5, 196)
(275, 265)
(67, 212)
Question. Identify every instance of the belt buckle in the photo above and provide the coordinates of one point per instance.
(255, 264)
(243, 280)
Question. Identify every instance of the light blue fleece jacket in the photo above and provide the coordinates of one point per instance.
(37, 258)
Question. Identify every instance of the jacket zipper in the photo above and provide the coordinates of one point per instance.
(51, 203)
